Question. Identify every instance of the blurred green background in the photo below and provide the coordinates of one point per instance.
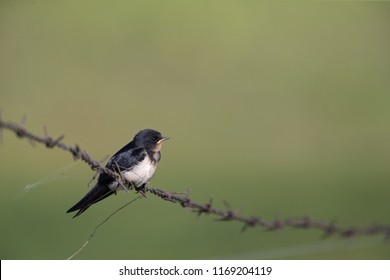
(281, 109)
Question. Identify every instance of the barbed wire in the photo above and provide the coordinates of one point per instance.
(326, 227)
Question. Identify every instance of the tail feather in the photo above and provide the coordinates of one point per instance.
(97, 193)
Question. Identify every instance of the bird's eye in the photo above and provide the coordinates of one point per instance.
(154, 139)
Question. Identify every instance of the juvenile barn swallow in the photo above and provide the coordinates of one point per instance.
(137, 161)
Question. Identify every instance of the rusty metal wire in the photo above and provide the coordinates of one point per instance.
(326, 227)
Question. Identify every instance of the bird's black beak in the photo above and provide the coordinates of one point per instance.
(162, 140)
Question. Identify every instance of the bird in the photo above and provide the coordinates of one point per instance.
(137, 162)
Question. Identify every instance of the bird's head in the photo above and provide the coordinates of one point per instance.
(150, 139)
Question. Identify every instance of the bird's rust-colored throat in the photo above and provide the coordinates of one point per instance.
(159, 144)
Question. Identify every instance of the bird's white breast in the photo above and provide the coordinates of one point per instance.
(141, 173)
